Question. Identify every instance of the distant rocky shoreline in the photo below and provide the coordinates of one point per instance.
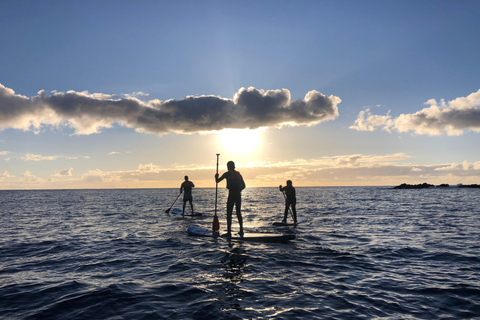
(426, 185)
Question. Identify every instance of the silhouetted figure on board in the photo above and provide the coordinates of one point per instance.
(290, 201)
(187, 186)
(235, 185)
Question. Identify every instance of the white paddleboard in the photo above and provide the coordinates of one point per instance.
(187, 214)
(257, 237)
(289, 223)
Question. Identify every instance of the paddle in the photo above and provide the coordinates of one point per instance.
(289, 210)
(215, 223)
(168, 210)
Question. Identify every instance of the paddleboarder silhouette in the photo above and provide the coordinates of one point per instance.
(235, 185)
(290, 201)
(187, 186)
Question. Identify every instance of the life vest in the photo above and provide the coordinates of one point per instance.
(187, 184)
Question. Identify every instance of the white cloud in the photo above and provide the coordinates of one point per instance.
(368, 122)
(37, 157)
(5, 175)
(344, 170)
(88, 113)
(452, 118)
(30, 178)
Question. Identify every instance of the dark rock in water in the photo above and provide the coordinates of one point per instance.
(426, 185)
(414, 186)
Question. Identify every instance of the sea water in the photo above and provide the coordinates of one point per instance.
(360, 253)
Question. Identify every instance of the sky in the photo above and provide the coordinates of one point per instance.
(138, 94)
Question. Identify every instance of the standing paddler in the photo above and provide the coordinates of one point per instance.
(235, 185)
(290, 201)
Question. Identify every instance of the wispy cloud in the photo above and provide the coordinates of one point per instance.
(452, 118)
(37, 157)
(345, 170)
(28, 177)
(88, 113)
(4, 175)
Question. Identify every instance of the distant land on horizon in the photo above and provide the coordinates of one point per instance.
(426, 185)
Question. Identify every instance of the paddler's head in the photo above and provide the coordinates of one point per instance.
(230, 165)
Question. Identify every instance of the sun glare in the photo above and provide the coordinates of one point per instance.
(239, 141)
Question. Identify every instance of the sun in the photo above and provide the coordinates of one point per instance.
(239, 141)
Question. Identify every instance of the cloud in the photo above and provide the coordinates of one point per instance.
(368, 122)
(3, 153)
(37, 157)
(63, 173)
(342, 161)
(452, 118)
(30, 178)
(4, 175)
(345, 170)
(87, 113)
(457, 166)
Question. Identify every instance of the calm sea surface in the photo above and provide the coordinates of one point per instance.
(361, 253)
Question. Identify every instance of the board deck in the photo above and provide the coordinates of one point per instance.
(289, 223)
(257, 237)
(283, 224)
(189, 214)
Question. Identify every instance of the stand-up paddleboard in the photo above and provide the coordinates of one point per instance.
(179, 211)
(284, 224)
(289, 223)
(257, 237)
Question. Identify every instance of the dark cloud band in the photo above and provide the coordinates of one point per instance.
(88, 113)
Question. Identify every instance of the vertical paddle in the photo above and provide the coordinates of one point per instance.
(289, 210)
(215, 223)
(168, 210)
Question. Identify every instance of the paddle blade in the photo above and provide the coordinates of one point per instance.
(215, 224)
(168, 210)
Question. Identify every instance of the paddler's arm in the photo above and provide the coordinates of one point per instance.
(217, 179)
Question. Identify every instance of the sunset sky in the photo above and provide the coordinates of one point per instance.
(133, 94)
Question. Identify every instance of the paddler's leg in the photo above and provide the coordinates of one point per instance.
(191, 204)
(230, 203)
(238, 209)
(294, 210)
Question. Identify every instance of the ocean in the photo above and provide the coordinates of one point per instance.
(360, 253)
